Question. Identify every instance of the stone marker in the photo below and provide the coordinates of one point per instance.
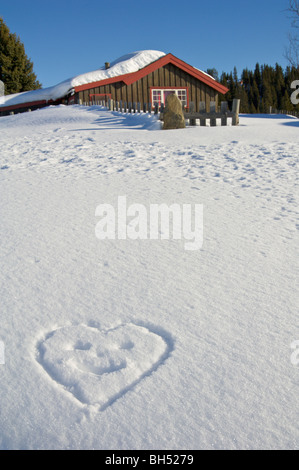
(173, 115)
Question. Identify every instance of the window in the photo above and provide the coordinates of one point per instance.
(156, 97)
(159, 95)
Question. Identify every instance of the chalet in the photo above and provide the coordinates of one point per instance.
(144, 77)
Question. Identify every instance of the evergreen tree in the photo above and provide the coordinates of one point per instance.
(214, 73)
(16, 70)
(279, 85)
(259, 90)
(268, 93)
(257, 77)
(286, 104)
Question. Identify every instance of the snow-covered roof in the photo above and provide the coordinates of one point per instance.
(128, 63)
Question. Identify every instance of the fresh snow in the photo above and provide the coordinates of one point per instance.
(128, 63)
(141, 344)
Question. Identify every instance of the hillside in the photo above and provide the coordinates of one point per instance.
(144, 344)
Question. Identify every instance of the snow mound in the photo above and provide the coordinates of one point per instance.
(128, 63)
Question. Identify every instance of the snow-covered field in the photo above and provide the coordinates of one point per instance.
(142, 344)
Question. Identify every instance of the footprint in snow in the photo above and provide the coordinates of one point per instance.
(99, 366)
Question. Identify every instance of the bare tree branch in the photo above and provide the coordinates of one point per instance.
(292, 51)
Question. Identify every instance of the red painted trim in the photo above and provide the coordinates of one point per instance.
(130, 78)
(23, 105)
(158, 87)
(107, 81)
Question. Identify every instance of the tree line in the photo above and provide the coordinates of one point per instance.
(261, 88)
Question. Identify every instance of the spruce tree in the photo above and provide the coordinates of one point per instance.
(16, 69)
(279, 85)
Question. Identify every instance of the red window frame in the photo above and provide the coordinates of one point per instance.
(170, 88)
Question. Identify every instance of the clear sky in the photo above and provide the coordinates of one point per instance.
(65, 38)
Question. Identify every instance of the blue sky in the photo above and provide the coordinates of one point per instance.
(68, 37)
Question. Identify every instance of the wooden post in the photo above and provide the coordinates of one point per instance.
(125, 107)
(134, 107)
(213, 121)
(236, 108)
(144, 107)
(192, 121)
(161, 112)
(130, 107)
(138, 107)
(156, 108)
(120, 106)
(202, 109)
(224, 108)
(150, 108)
(116, 105)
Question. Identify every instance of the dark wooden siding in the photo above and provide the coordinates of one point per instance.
(168, 75)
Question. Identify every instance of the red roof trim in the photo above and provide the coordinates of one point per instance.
(22, 105)
(130, 78)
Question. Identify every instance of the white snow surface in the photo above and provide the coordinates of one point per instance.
(128, 63)
(141, 344)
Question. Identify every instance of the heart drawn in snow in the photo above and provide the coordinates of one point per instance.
(99, 366)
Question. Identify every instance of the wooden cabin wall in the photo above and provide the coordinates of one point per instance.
(168, 75)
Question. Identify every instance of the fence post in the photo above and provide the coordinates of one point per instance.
(213, 121)
(130, 107)
(202, 109)
(224, 108)
(134, 107)
(236, 108)
(150, 108)
(192, 121)
(156, 108)
(138, 108)
(120, 106)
